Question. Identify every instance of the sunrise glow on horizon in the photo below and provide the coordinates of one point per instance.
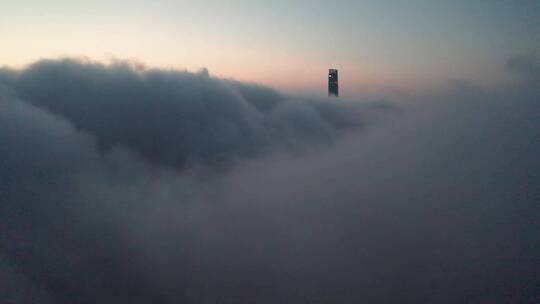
(285, 45)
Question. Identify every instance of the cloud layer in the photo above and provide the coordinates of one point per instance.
(177, 117)
(121, 184)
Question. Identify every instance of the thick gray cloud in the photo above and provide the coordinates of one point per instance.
(120, 184)
(177, 117)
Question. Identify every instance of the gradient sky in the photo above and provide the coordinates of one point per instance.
(285, 44)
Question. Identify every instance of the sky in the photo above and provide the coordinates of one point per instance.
(289, 45)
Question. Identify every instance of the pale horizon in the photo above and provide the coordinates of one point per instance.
(376, 45)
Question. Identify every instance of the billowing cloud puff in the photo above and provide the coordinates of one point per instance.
(125, 185)
(176, 117)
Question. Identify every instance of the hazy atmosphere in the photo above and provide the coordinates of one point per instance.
(189, 152)
(380, 46)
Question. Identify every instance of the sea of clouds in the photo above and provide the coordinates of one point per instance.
(122, 184)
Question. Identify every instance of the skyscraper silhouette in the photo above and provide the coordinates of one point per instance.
(333, 88)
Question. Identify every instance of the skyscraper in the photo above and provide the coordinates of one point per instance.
(333, 88)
